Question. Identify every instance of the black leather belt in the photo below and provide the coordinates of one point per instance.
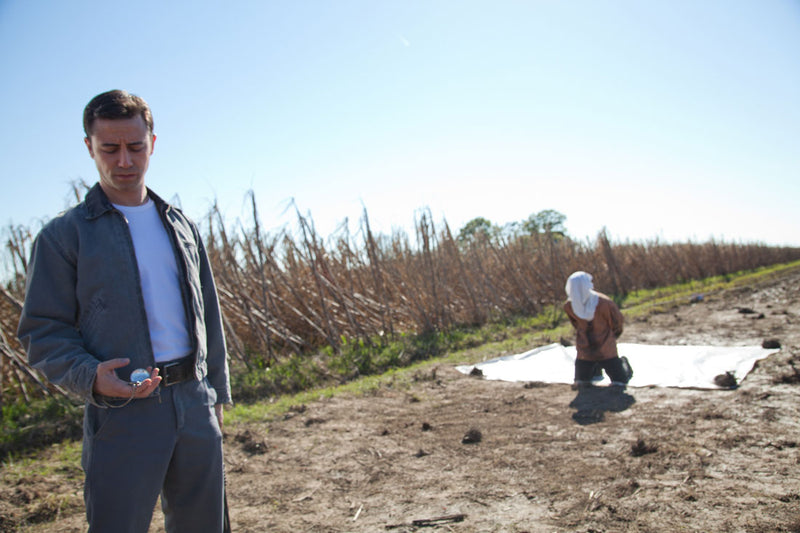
(176, 371)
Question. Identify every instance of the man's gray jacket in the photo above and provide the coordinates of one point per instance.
(84, 301)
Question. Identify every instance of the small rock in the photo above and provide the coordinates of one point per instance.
(640, 448)
(726, 380)
(251, 443)
(473, 436)
(476, 372)
(770, 344)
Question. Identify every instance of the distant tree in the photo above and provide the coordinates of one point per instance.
(531, 224)
(552, 221)
(476, 226)
(547, 221)
(512, 230)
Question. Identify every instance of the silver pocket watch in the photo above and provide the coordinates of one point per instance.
(139, 375)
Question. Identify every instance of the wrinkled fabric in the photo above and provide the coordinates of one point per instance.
(694, 367)
(581, 293)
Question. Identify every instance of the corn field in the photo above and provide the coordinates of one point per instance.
(293, 293)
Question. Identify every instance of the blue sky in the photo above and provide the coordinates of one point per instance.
(672, 119)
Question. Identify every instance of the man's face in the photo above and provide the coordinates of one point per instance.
(121, 149)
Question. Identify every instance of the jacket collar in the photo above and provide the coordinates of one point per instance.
(97, 203)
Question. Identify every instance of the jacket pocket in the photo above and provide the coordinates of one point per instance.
(91, 318)
(96, 420)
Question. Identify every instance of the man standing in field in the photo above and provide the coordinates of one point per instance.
(122, 310)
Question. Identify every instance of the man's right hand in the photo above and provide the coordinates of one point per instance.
(106, 382)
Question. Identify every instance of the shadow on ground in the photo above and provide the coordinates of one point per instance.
(592, 403)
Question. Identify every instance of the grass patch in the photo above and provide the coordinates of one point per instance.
(32, 425)
(643, 302)
(274, 407)
(61, 458)
(286, 377)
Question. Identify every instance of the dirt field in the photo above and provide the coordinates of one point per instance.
(548, 459)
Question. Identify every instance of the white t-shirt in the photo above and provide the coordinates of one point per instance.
(161, 288)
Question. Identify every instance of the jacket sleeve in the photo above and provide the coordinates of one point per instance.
(217, 353)
(48, 323)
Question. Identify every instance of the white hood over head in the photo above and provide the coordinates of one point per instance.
(581, 294)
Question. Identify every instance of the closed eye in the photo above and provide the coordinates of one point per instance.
(112, 148)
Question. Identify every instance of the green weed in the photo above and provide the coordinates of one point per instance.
(32, 425)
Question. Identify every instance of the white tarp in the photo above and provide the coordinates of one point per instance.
(661, 366)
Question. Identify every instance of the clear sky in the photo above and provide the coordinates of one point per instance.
(673, 119)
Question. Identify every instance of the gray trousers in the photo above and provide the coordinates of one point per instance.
(168, 444)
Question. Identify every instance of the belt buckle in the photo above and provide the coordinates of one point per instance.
(165, 378)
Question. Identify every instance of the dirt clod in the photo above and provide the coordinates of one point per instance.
(726, 380)
(476, 372)
(640, 448)
(472, 436)
(771, 344)
(534, 385)
(251, 443)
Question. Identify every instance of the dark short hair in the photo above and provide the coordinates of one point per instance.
(116, 104)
